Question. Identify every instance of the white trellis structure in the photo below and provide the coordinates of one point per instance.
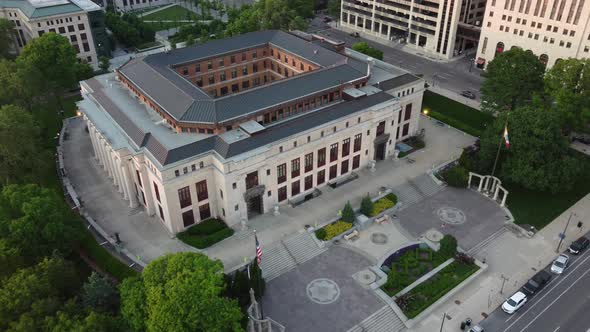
(490, 186)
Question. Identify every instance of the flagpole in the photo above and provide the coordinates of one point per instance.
(502, 139)
(259, 274)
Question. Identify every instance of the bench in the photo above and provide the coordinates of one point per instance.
(352, 235)
(382, 219)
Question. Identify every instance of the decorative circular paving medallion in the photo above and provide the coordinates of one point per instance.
(451, 215)
(379, 238)
(323, 291)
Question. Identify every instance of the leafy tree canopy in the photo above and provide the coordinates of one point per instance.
(511, 79)
(6, 31)
(538, 157)
(568, 85)
(368, 50)
(159, 300)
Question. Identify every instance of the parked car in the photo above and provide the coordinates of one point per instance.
(536, 283)
(579, 245)
(476, 328)
(514, 302)
(560, 264)
(468, 94)
(327, 19)
(355, 34)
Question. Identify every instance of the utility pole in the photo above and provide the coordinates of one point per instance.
(562, 235)
(443, 321)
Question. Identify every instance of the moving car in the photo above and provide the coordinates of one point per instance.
(514, 302)
(536, 283)
(468, 94)
(579, 245)
(560, 264)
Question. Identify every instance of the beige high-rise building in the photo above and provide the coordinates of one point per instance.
(551, 29)
(440, 28)
(80, 21)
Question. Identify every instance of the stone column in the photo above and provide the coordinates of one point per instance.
(496, 192)
(481, 179)
(122, 187)
(504, 198)
(129, 184)
(469, 181)
(92, 134)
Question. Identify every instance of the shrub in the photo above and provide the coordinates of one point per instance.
(392, 197)
(348, 213)
(464, 258)
(367, 205)
(207, 227)
(382, 205)
(368, 50)
(448, 246)
(337, 228)
(456, 176)
(321, 234)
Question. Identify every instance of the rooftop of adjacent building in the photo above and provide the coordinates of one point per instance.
(44, 8)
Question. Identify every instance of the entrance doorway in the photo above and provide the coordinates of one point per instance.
(380, 151)
(254, 206)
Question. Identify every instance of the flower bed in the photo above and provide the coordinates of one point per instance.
(206, 233)
(331, 230)
(422, 296)
(383, 204)
(411, 266)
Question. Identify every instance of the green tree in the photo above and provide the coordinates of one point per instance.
(6, 41)
(538, 157)
(456, 176)
(368, 50)
(367, 205)
(511, 80)
(348, 213)
(103, 63)
(84, 71)
(334, 8)
(568, 85)
(298, 23)
(14, 89)
(21, 157)
(35, 221)
(99, 294)
(158, 300)
(448, 246)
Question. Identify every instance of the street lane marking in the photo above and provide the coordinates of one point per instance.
(556, 329)
(548, 291)
(552, 302)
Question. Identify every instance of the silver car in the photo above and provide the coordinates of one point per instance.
(560, 264)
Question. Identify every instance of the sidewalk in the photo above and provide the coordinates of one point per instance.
(456, 97)
(526, 256)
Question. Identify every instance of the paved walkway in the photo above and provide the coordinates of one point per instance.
(513, 257)
(146, 238)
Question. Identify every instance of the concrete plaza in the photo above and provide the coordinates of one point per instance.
(146, 238)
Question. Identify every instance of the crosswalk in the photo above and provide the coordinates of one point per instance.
(384, 320)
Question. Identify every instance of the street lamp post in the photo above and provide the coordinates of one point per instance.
(443, 321)
(471, 64)
(562, 235)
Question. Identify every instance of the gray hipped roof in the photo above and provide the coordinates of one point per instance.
(184, 101)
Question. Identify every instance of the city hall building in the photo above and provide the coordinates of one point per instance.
(236, 127)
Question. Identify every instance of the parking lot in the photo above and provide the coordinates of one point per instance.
(562, 305)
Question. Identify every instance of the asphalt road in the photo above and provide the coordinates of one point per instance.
(563, 305)
(453, 75)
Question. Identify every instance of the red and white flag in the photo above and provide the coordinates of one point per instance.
(258, 250)
(506, 140)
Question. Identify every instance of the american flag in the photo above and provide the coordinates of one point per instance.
(258, 250)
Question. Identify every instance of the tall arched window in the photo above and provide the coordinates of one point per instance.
(544, 58)
(499, 48)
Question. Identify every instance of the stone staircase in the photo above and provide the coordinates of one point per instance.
(415, 190)
(384, 320)
(287, 254)
(485, 243)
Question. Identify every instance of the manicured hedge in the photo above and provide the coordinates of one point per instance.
(329, 231)
(383, 204)
(206, 233)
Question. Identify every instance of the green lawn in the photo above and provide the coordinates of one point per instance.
(148, 45)
(456, 114)
(171, 14)
(104, 259)
(205, 233)
(540, 208)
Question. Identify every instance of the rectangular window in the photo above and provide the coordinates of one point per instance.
(356, 161)
(204, 212)
(234, 73)
(232, 59)
(184, 197)
(344, 167)
(86, 47)
(71, 29)
(221, 63)
(406, 129)
(321, 177)
(333, 152)
(346, 147)
(251, 180)
(408, 113)
(357, 142)
(188, 218)
(381, 128)
(295, 163)
(321, 157)
(157, 191)
(281, 173)
(202, 193)
(308, 182)
(308, 162)
(81, 26)
(333, 171)
(295, 189)
(282, 193)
